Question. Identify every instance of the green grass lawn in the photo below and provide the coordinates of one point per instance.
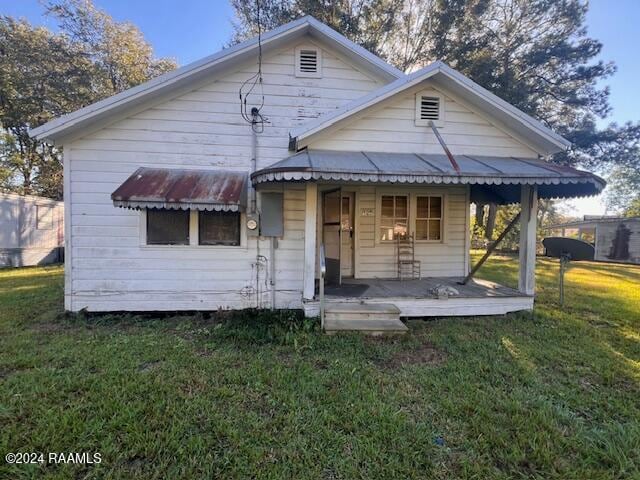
(554, 395)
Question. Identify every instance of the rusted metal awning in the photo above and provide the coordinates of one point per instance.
(180, 189)
(497, 178)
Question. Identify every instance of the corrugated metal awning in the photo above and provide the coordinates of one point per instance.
(498, 177)
(183, 189)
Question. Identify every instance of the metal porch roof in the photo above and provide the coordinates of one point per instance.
(183, 189)
(497, 176)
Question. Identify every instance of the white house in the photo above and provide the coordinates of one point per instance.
(31, 230)
(175, 202)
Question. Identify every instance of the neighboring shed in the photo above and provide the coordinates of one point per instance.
(31, 230)
(616, 239)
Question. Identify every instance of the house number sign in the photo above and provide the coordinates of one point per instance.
(366, 212)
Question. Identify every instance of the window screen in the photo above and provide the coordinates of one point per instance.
(394, 214)
(219, 228)
(167, 227)
(428, 218)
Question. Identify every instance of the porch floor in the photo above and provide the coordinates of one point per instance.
(418, 288)
(416, 298)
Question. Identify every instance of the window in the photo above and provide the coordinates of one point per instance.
(428, 218)
(44, 217)
(167, 227)
(394, 216)
(219, 228)
(429, 108)
(308, 61)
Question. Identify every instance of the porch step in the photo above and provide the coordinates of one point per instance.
(379, 318)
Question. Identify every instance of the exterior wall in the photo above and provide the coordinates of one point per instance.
(22, 243)
(605, 235)
(391, 127)
(448, 258)
(109, 269)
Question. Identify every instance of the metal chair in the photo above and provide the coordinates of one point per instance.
(408, 266)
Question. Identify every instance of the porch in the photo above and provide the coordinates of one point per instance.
(361, 207)
(419, 297)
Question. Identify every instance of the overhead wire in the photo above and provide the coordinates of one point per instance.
(251, 114)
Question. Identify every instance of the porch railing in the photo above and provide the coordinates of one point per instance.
(323, 272)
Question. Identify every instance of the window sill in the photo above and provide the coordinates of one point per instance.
(193, 247)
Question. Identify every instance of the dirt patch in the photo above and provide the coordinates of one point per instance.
(424, 354)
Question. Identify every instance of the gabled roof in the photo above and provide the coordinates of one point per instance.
(543, 138)
(183, 79)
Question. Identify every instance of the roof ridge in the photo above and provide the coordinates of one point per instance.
(74, 120)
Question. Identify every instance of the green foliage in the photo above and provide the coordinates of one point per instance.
(555, 395)
(44, 75)
(623, 193)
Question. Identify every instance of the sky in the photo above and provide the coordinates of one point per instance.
(188, 30)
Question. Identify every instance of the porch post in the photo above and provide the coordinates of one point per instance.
(310, 219)
(528, 219)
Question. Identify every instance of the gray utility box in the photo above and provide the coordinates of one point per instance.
(272, 214)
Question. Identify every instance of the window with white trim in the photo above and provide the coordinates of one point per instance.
(429, 214)
(308, 61)
(429, 108)
(394, 217)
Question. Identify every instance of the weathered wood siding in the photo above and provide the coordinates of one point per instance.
(377, 259)
(391, 127)
(111, 270)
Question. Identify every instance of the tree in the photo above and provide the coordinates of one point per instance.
(623, 194)
(44, 75)
(121, 55)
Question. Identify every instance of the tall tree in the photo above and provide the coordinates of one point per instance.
(44, 75)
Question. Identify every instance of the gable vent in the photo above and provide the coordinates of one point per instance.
(309, 61)
(429, 108)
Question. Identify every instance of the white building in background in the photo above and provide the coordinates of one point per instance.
(31, 230)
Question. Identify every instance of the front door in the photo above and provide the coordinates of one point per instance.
(346, 234)
(331, 206)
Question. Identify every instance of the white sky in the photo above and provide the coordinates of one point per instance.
(579, 207)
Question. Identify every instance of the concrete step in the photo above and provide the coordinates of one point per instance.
(377, 318)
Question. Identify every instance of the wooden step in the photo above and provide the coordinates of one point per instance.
(376, 318)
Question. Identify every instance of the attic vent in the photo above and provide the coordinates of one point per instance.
(308, 62)
(429, 108)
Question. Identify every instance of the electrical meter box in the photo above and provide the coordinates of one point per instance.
(272, 214)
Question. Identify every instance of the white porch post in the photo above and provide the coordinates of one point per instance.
(310, 219)
(528, 219)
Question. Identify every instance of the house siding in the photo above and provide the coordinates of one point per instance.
(108, 267)
(391, 127)
(606, 234)
(438, 259)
